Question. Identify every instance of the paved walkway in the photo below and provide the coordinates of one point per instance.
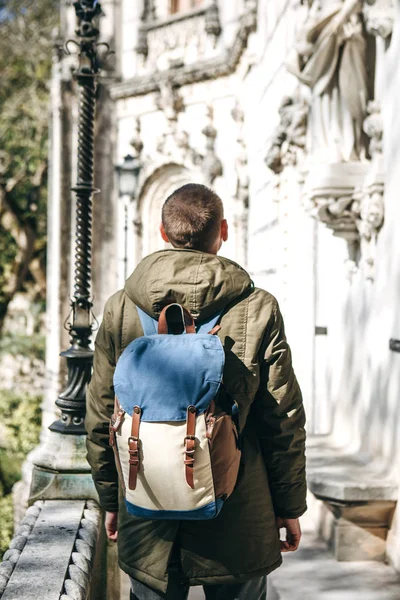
(312, 573)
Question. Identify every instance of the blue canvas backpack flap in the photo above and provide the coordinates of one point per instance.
(175, 441)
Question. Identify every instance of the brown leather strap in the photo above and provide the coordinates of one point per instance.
(190, 444)
(111, 438)
(134, 449)
(215, 330)
(116, 420)
(187, 319)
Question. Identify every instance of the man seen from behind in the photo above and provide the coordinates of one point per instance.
(230, 555)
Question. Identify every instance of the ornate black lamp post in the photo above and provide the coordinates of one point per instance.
(60, 468)
(80, 356)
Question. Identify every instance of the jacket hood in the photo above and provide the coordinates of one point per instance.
(203, 283)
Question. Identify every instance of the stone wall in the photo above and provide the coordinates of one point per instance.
(281, 235)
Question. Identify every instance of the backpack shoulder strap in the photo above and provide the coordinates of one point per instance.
(149, 325)
(207, 326)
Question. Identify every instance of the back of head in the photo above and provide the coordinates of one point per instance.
(192, 217)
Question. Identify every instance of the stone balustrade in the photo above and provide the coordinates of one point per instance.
(59, 552)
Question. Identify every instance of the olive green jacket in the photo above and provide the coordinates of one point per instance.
(242, 542)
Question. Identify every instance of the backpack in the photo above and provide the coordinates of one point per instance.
(174, 431)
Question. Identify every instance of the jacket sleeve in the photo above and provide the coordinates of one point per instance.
(280, 421)
(99, 408)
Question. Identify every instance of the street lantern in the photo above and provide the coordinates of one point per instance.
(128, 183)
(128, 176)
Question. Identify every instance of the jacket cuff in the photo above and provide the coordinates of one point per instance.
(108, 507)
(108, 500)
(290, 514)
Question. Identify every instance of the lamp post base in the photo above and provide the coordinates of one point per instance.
(61, 471)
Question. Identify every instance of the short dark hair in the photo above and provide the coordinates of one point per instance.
(192, 217)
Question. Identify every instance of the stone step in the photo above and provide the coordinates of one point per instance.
(312, 573)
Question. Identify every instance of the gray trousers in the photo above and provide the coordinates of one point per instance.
(255, 589)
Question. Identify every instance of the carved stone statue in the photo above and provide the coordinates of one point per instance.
(330, 58)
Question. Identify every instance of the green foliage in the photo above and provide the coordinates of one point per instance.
(25, 63)
(10, 470)
(30, 346)
(20, 416)
(8, 251)
(20, 421)
(6, 523)
(26, 48)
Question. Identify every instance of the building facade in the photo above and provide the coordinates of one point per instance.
(288, 110)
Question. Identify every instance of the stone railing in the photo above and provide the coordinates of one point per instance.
(59, 551)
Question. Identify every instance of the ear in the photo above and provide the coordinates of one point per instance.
(224, 230)
(163, 234)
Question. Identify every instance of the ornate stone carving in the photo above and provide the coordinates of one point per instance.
(148, 15)
(330, 58)
(336, 212)
(368, 206)
(212, 24)
(138, 225)
(241, 162)
(201, 69)
(173, 142)
(137, 142)
(141, 45)
(11, 556)
(173, 145)
(177, 42)
(349, 200)
(189, 156)
(77, 580)
(329, 191)
(249, 18)
(242, 187)
(373, 127)
(211, 164)
(369, 200)
(289, 140)
(169, 100)
(379, 17)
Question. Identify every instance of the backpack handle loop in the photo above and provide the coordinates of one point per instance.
(175, 319)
